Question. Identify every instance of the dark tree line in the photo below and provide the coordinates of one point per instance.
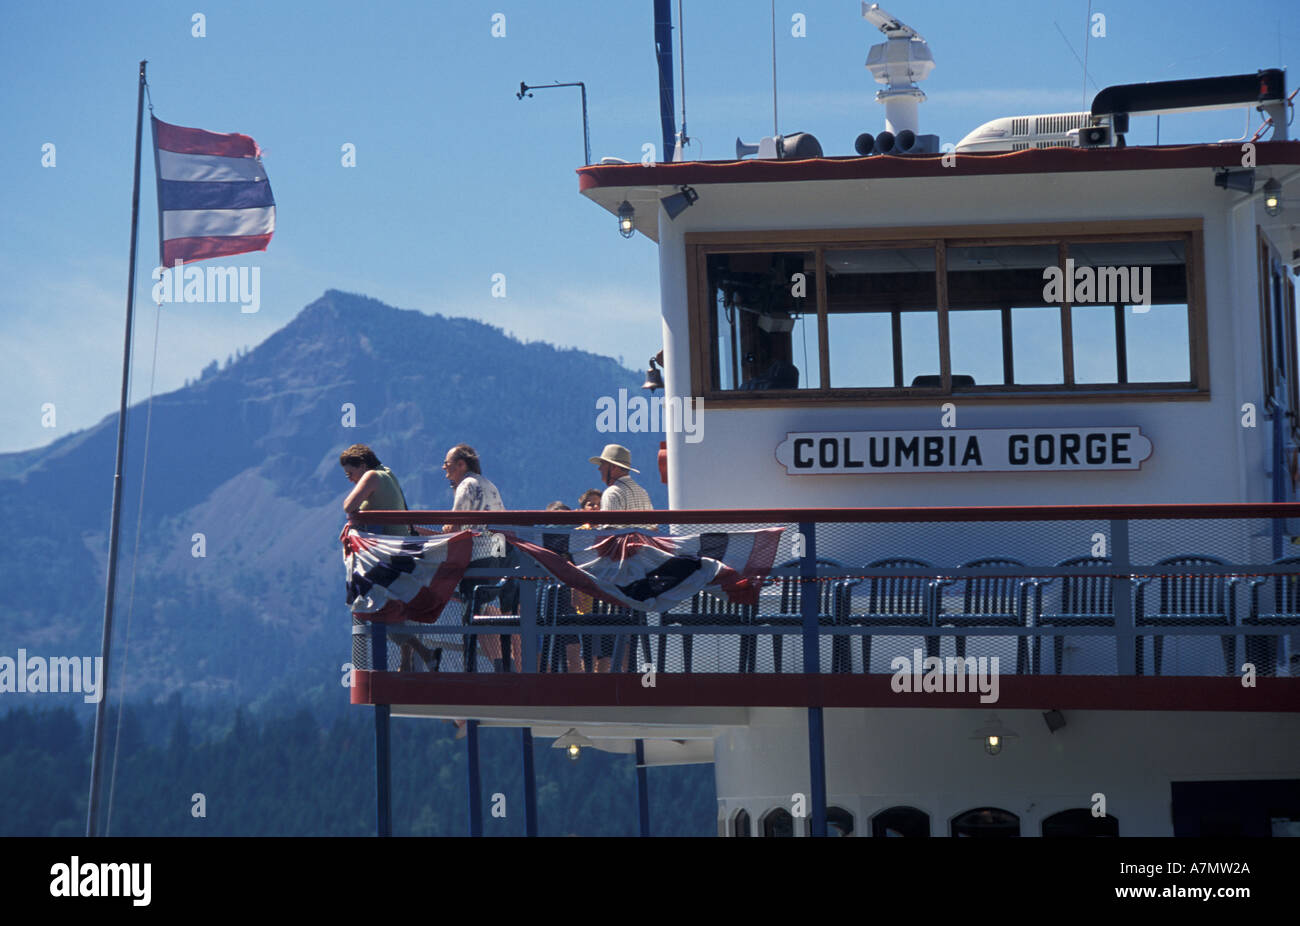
(307, 769)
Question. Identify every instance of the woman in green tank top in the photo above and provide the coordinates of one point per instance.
(374, 487)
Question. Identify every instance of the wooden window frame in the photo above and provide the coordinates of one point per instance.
(700, 245)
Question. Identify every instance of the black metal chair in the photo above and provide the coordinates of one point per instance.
(988, 601)
(708, 610)
(1262, 650)
(830, 610)
(1187, 601)
(1085, 601)
(481, 595)
(904, 600)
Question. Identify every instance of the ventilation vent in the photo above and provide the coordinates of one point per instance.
(1019, 145)
(1020, 125)
(1058, 125)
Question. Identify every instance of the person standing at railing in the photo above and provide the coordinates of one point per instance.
(475, 492)
(621, 494)
(374, 487)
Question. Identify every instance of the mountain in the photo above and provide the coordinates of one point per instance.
(247, 457)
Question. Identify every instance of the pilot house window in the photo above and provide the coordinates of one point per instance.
(1081, 311)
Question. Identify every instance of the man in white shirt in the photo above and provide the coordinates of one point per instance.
(475, 492)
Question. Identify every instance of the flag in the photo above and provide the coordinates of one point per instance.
(654, 573)
(391, 579)
(214, 199)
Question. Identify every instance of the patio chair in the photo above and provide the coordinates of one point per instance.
(830, 608)
(1186, 601)
(905, 600)
(988, 601)
(1263, 650)
(1086, 601)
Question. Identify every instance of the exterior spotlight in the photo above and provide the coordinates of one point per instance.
(653, 378)
(679, 202)
(625, 213)
(994, 735)
(1241, 180)
(1273, 197)
(1054, 720)
(572, 742)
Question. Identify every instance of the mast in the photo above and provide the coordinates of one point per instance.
(100, 709)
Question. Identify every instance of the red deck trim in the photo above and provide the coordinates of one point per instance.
(1031, 161)
(1103, 693)
(843, 515)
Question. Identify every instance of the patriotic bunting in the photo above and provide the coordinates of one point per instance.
(391, 579)
(214, 199)
(654, 573)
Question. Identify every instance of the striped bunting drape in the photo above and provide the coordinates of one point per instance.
(214, 199)
(393, 579)
(650, 573)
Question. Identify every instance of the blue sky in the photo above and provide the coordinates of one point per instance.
(456, 180)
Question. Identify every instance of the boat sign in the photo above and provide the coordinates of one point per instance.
(958, 450)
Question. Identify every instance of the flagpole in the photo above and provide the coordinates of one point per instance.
(92, 812)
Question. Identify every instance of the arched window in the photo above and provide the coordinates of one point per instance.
(839, 822)
(778, 823)
(1079, 821)
(740, 825)
(986, 821)
(901, 821)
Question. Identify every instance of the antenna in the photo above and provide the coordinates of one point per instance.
(774, 128)
(1087, 36)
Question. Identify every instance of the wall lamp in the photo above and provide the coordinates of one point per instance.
(677, 203)
(626, 213)
(1241, 180)
(994, 735)
(1273, 197)
(572, 742)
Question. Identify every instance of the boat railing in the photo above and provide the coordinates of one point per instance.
(914, 593)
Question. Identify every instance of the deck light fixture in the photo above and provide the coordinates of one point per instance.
(679, 202)
(572, 742)
(994, 735)
(1241, 180)
(1273, 197)
(653, 378)
(625, 225)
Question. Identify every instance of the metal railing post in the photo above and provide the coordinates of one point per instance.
(530, 785)
(475, 786)
(809, 606)
(527, 615)
(1122, 600)
(642, 791)
(383, 750)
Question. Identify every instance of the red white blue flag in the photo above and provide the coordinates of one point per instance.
(392, 579)
(214, 199)
(654, 573)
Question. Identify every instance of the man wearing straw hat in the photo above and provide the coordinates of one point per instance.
(622, 494)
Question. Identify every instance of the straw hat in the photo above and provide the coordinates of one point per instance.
(616, 454)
